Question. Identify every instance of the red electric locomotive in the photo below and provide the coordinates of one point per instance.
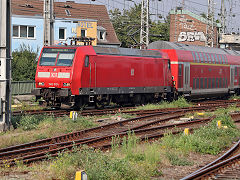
(79, 75)
(201, 71)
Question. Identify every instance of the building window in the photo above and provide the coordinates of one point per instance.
(15, 31)
(68, 13)
(102, 35)
(62, 33)
(31, 32)
(83, 32)
(24, 32)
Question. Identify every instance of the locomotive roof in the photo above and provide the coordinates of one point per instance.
(180, 46)
(126, 52)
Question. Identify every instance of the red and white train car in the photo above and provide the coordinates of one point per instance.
(80, 75)
(202, 71)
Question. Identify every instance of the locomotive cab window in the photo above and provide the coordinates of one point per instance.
(65, 59)
(57, 57)
(86, 62)
(48, 59)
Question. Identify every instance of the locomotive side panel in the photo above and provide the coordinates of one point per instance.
(120, 75)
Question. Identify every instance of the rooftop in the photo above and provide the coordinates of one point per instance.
(69, 9)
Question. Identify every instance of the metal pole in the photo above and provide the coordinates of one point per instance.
(223, 18)
(144, 32)
(5, 64)
(48, 22)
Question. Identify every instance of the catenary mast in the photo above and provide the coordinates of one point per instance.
(5, 64)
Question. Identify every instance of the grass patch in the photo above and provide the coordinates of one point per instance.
(177, 159)
(30, 128)
(180, 103)
(234, 97)
(208, 139)
(125, 161)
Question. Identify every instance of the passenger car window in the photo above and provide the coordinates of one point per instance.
(197, 83)
(197, 57)
(205, 57)
(201, 57)
(213, 59)
(86, 62)
(194, 58)
(194, 83)
(216, 58)
(180, 69)
(209, 83)
(209, 58)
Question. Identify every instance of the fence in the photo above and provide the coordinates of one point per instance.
(22, 87)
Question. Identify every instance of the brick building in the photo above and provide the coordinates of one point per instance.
(189, 28)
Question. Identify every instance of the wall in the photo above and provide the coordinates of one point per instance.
(35, 43)
(91, 30)
(72, 26)
(188, 28)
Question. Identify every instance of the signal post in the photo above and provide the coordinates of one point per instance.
(5, 64)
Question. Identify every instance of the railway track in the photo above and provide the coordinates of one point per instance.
(151, 124)
(148, 126)
(225, 167)
(96, 112)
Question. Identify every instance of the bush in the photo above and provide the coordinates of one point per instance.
(24, 63)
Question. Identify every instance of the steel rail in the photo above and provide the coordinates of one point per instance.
(218, 160)
(91, 141)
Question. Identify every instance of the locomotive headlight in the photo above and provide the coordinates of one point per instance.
(66, 84)
(41, 83)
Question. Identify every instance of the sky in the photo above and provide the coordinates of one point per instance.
(162, 7)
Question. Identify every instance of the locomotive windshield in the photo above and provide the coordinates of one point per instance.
(57, 57)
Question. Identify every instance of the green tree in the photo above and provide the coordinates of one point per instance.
(24, 63)
(127, 25)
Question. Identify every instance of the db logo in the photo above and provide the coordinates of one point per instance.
(54, 75)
